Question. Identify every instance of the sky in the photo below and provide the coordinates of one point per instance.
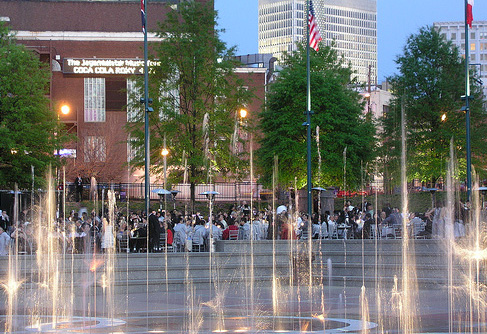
(397, 20)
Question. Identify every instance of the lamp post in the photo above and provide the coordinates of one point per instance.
(243, 114)
(174, 194)
(164, 153)
(65, 110)
(161, 193)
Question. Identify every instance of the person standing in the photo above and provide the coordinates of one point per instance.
(93, 189)
(3, 222)
(78, 183)
(4, 242)
(154, 232)
(108, 236)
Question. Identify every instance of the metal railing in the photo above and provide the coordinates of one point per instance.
(229, 192)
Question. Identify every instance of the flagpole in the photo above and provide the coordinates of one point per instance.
(146, 111)
(467, 106)
(308, 119)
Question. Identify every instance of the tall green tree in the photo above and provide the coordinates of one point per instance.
(338, 111)
(196, 97)
(429, 87)
(29, 130)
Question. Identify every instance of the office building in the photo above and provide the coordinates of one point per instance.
(455, 32)
(351, 24)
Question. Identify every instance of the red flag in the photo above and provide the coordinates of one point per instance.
(469, 13)
(142, 11)
(314, 33)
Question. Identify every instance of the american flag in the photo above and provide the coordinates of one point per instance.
(142, 11)
(314, 33)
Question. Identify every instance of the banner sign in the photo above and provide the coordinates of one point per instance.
(101, 66)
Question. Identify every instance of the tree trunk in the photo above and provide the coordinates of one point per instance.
(193, 195)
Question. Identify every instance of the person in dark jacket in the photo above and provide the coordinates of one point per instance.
(154, 232)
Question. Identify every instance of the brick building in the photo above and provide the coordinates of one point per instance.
(93, 47)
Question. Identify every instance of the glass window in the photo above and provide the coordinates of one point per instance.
(472, 35)
(115, 93)
(94, 100)
(95, 149)
(132, 150)
(453, 35)
(472, 46)
(134, 94)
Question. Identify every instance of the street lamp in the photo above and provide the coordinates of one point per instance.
(164, 153)
(174, 194)
(161, 193)
(243, 113)
(210, 195)
(65, 109)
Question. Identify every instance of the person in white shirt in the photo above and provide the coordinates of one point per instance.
(244, 229)
(257, 228)
(222, 222)
(181, 231)
(4, 242)
(200, 236)
(332, 222)
(316, 230)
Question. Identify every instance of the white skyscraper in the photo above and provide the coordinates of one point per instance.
(352, 24)
(455, 31)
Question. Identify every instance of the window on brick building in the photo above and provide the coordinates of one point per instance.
(116, 94)
(134, 94)
(133, 149)
(94, 100)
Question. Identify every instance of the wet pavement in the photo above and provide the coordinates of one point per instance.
(239, 309)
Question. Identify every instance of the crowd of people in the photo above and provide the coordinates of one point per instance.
(83, 232)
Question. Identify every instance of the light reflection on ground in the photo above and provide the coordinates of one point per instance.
(105, 325)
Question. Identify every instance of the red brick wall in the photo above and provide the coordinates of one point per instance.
(80, 15)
